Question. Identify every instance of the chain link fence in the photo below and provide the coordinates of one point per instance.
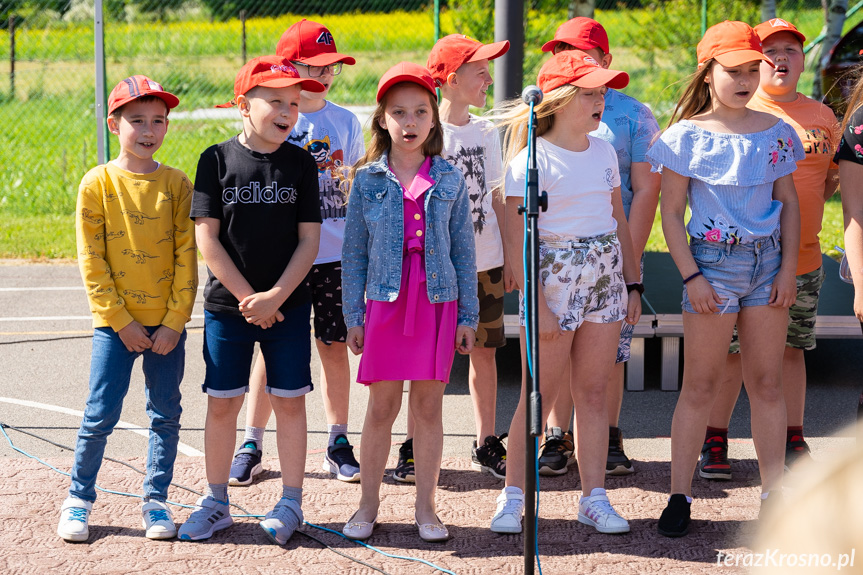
(195, 47)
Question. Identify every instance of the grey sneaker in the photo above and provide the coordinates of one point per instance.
(74, 517)
(208, 517)
(283, 520)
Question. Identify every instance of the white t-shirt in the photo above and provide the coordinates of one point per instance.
(334, 137)
(474, 149)
(579, 186)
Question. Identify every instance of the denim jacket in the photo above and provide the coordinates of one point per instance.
(374, 237)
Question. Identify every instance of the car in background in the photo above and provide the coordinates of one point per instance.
(837, 69)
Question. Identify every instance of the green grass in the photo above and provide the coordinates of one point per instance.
(52, 126)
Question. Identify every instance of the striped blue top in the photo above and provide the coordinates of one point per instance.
(730, 177)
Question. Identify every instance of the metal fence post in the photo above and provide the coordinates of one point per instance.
(509, 25)
(103, 146)
(243, 20)
(11, 56)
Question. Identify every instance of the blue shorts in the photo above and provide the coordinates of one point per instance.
(229, 346)
(741, 274)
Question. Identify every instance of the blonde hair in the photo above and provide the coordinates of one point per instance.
(856, 99)
(382, 142)
(695, 97)
(512, 117)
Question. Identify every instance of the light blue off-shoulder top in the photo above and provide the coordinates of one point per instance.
(730, 177)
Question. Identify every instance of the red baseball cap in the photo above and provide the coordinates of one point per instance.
(406, 72)
(579, 69)
(582, 32)
(731, 43)
(450, 52)
(774, 25)
(134, 87)
(310, 43)
(271, 72)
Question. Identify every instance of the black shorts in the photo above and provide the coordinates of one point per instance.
(325, 283)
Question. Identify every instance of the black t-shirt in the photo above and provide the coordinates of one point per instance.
(259, 200)
(851, 147)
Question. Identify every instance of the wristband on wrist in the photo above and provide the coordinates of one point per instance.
(639, 287)
(692, 277)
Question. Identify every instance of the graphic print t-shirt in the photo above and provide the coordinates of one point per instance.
(259, 199)
(474, 149)
(334, 138)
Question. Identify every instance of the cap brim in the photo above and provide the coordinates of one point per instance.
(739, 57)
(490, 51)
(574, 42)
(403, 78)
(327, 59)
(306, 84)
(798, 34)
(602, 77)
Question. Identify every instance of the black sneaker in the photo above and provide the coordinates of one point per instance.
(490, 456)
(246, 464)
(404, 471)
(674, 521)
(796, 450)
(556, 451)
(340, 460)
(617, 463)
(713, 463)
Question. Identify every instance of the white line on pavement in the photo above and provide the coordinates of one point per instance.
(181, 447)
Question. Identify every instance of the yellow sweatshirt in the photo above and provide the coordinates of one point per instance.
(136, 246)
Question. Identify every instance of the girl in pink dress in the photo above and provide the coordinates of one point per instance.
(409, 249)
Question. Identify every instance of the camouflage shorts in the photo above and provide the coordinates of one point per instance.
(801, 315)
(489, 332)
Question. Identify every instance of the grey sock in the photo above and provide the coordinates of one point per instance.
(335, 430)
(255, 434)
(295, 493)
(218, 491)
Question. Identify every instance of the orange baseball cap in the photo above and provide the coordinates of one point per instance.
(731, 43)
(774, 25)
(450, 52)
(271, 72)
(406, 72)
(579, 69)
(582, 32)
(310, 43)
(134, 87)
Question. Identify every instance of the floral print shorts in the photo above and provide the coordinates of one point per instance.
(582, 280)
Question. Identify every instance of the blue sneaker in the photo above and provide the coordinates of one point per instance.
(340, 460)
(208, 517)
(246, 464)
(283, 520)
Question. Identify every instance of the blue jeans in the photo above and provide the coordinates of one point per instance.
(110, 372)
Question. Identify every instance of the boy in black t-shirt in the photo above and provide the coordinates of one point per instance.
(257, 224)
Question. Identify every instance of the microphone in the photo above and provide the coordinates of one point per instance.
(531, 95)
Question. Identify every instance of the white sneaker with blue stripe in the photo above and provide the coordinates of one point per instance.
(157, 520)
(283, 520)
(74, 517)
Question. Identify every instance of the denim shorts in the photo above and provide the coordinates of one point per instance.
(229, 346)
(741, 274)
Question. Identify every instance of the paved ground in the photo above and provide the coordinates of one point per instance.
(44, 354)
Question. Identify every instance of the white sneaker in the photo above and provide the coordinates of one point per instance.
(74, 516)
(597, 512)
(510, 507)
(157, 520)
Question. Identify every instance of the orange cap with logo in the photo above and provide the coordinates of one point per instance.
(731, 43)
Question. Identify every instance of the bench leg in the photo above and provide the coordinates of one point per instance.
(635, 366)
(670, 363)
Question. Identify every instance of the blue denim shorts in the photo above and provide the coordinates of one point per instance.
(229, 346)
(741, 274)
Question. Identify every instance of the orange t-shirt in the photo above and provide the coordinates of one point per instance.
(818, 129)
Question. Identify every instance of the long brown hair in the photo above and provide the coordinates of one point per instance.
(512, 116)
(855, 101)
(381, 141)
(695, 98)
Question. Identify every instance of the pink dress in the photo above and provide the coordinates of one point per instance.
(410, 338)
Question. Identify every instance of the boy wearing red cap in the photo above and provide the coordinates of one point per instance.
(460, 68)
(629, 126)
(137, 258)
(816, 179)
(257, 223)
(334, 137)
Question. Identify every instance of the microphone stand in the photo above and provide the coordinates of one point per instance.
(533, 416)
